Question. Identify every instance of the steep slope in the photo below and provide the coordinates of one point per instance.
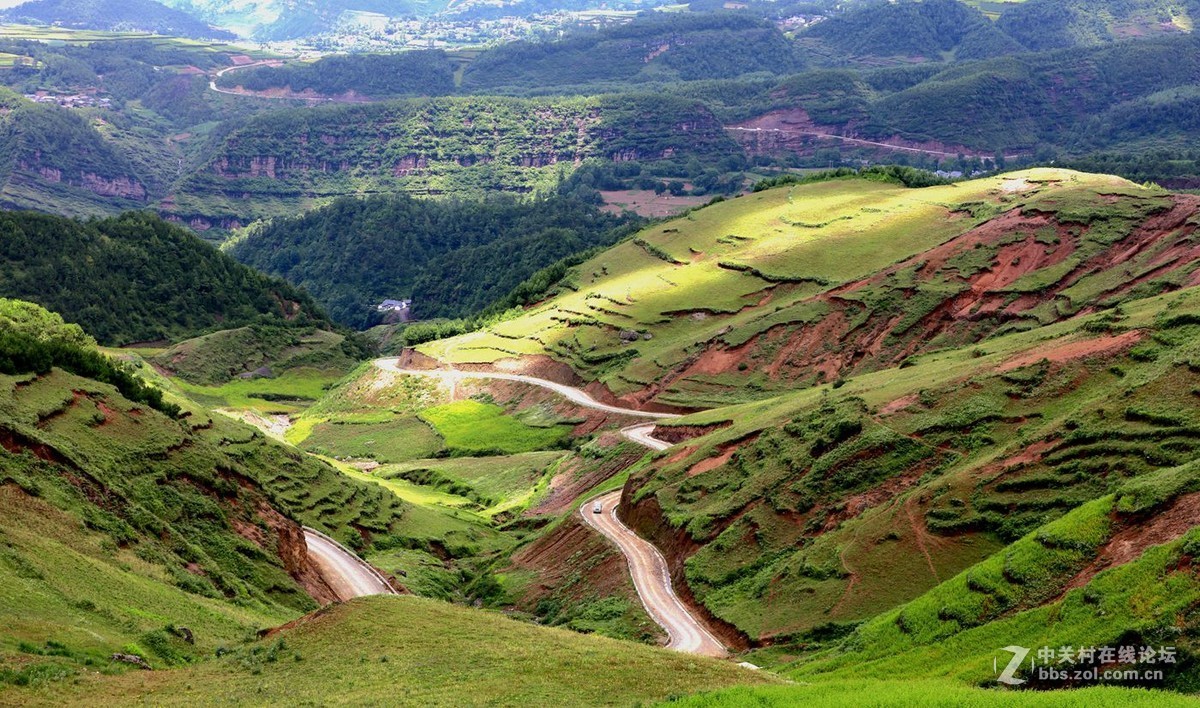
(137, 278)
(132, 527)
(840, 502)
(811, 283)
(114, 15)
(56, 160)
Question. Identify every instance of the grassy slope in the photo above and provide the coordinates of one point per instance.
(977, 459)
(729, 293)
(216, 358)
(379, 649)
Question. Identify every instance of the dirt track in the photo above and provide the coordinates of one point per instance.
(347, 574)
(647, 566)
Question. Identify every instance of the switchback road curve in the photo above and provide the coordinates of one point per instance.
(647, 566)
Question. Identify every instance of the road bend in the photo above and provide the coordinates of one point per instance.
(346, 574)
(647, 567)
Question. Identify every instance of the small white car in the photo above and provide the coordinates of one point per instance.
(597, 508)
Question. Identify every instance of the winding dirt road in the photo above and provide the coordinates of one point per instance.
(346, 574)
(572, 394)
(647, 566)
(649, 571)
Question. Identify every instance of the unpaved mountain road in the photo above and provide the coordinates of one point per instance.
(647, 566)
(649, 571)
(346, 574)
(572, 394)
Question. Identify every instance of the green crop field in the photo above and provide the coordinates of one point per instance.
(474, 428)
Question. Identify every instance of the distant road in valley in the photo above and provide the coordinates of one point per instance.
(647, 566)
(856, 141)
(346, 574)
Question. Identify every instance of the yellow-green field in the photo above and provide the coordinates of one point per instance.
(409, 651)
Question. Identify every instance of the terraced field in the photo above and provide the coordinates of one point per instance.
(811, 283)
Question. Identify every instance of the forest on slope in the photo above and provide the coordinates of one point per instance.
(452, 258)
(136, 278)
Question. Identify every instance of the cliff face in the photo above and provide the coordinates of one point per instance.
(282, 162)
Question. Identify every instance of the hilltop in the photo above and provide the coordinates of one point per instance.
(747, 298)
(137, 278)
(379, 647)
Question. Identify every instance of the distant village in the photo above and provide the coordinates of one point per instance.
(373, 32)
(72, 100)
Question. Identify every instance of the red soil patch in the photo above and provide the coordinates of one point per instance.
(681, 455)
(899, 404)
(711, 463)
(107, 412)
(718, 361)
(1129, 543)
(1074, 350)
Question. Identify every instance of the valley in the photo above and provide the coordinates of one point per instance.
(719, 354)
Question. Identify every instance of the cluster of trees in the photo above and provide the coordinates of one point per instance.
(426, 73)
(898, 174)
(927, 29)
(137, 278)
(33, 340)
(685, 46)
(452, 258)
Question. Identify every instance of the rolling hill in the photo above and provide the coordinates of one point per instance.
(137, 278)
(144, 526)
(913, 270)
(114, 15)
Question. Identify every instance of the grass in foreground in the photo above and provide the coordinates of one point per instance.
(865, 694)
(405, 650)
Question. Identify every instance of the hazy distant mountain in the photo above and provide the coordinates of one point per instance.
(118, 15)
(288, 19)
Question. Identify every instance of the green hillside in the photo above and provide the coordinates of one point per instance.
(1051, 24)
(1019, 369)
(378, 649)
(138, 15)
(750, 298)
(56, 160)
(285, 161)
(655, 47)
(126, 520)
(137, 278)
(931, 30)
(442, 255)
